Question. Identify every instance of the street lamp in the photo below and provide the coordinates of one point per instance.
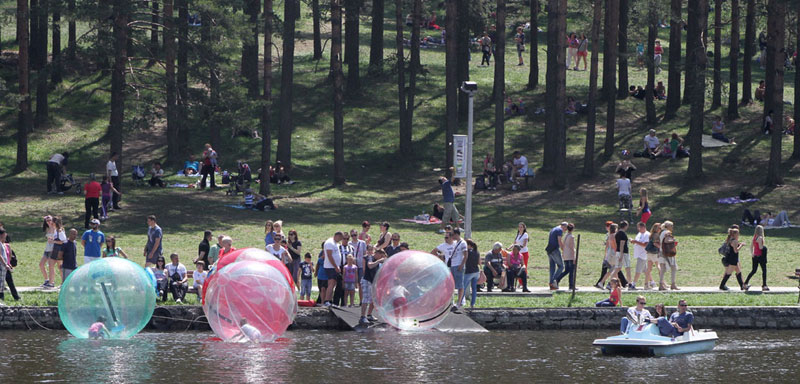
(470, 88)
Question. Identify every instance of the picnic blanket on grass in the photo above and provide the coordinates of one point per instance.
(433, 220)
(178, 185)
(710, 142)
(734, 200)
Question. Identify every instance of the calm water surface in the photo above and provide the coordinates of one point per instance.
(323, 356)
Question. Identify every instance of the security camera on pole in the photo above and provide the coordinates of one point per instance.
(470, 88)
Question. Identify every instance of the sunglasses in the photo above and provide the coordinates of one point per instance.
(682, 305)
(643, 302)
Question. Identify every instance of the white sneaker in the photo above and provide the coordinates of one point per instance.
(178, 301)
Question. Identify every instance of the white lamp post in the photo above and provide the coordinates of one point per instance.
(470, 88)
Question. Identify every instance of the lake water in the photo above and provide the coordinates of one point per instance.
(325, 356)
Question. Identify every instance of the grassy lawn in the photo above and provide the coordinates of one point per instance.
(384, 186)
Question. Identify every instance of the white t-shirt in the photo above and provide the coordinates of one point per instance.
(624, 185)
(638, 250)
(639, 317)
(446, 249)
(278, 253)
(359, 248)
(56, 158)
(460, 247)
(331, 245)
(180, 268)
(522, 162)
(651, 142)
(251, 332)
(199, 277)
(522, 241)
(111, 168)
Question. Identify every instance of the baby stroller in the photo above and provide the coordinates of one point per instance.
(137, 174)
(242, 181)
(67, 183)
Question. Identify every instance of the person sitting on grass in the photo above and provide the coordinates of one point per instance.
(761, 91)
(156, 176)
(98, 329)
(651, 145)
(199, 277)
(191, 166)
(661, 91)
(614, 299)
(718, 131)
(676, 147)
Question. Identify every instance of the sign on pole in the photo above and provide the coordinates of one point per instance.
(460, 156)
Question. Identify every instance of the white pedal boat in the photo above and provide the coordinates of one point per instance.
(647, 341)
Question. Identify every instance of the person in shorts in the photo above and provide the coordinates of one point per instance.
(350, 280)
(624, 258)
(640, 255)
(448, 201)
(152, 250)
(322, 278)
(652, 253)
(371, 265)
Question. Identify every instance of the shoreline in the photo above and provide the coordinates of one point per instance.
(185, 318)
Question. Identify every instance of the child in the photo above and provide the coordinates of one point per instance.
(249, 332)
(106, 188)
(249, 198)
(98, 330)
(350, 276)
(307, 273)
(199, 277)
(156, 174)
(111, 249)
(613, 300)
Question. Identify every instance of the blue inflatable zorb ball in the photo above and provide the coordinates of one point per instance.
(113, 291)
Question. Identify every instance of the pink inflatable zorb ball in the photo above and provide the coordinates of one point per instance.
(250, 301)
(413, 291)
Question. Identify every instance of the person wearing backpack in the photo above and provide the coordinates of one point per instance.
(731, 260)
(666, 257)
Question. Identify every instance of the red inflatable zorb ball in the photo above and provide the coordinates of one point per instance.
(245, 254)
(249, 301)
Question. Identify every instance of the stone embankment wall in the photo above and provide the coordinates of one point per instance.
(184, 318)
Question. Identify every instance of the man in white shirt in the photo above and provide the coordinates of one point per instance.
(333, 260)
(444, 250)
(651, 143)
(359, 250)
(275, 249)
(176, 272)
(639, 253)
(637, 315)
(624, 191)
(113, 174)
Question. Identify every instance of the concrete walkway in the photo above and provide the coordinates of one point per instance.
(546, 292)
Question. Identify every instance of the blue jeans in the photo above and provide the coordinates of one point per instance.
(471, 282)
(458, 277)
(604, 303)
(305, 287)
(556, 264)
(569, 269)
(667, 329)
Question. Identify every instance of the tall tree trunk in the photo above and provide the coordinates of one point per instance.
(315, 16)
(533, 75)
(266, 113)
(689, 79)
(351, 46)
(414, 68)
(451, 83)
(674, 80)
(72, 44)
(116, 122)
(652, 28)
(376, 39)
(499, 83)
(612, 32)
(210, 36)
(716, 93)
(624, 19)
(250, 44)
(696, 65)
(33, 40)
(104, 39)
(182, 78)
(42, 89)
(338, 92)
(796, 151)
(462, 36)
(154, 48)
(405, 146)
(774, 72)
(733, 92)
(555, 89)
(173, 146)
(591, 118)
(290, 12)
(749, 51)
(55, 73)
(25, 120)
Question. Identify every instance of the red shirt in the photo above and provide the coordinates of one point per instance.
(658, 50)
(615, 297)
(92, 189)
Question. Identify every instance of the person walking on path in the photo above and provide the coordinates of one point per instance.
(91, 201)
(5, 263)
(759, 252)
(209, 166)
(152, 250)
(644, 206)
(113, 174)
(668, 248)
(640, 256)
(92, 242)
(12, 257)
(55, 167)
(569, 258)
(553, 249)
(731, 259)
(448, 200)
(486, 49)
